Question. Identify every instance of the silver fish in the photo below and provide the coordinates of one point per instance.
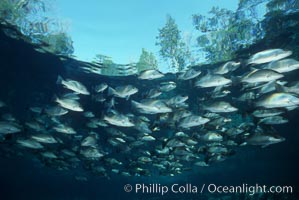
(36, 109)
(9, 127)
(192, 120)
(177, 100)
(150, 74)
(246, 96)
(73, 85)
(89, 141)
(91, 153)
(56, 111)
(88, 114)
(269, 87)
(73, 96)
(211, 80)
(148, 138)
(211, 137)
(101, 87)
(167, 86)
(151, 107)
(189, 74)
(49, 155)
(234, 131)
(29, 143)
(273, 120)
(219, 107)
(227, 67)
(35, 126)
(293, 89)
(9, 117)
(175, 143)
(217, 149)
(44, 138)
(283, 66)
(278, 100)
(2, 104)
(219, 92)
(123, 91)
(142, 126)
(268, 56)
(70, 104)
(264, 140)
(266, 113)
(261, 75)
(61, 128)
(153, 93)
(118, 119)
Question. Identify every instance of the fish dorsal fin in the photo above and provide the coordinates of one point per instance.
(253, 69)
(243, 144)
(264, 146)
(280, 88)
(59, 80)
(218, 88)
(111, 91)
(209, 72)
(259, 130)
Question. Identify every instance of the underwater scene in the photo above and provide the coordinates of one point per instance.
(149, 100)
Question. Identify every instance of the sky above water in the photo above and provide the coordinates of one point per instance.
(121, 28)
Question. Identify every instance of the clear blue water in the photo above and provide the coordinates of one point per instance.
(28, 78)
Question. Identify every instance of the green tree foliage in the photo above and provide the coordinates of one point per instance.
(172, 47)
(225, 31)
(147, 60)
(222, 34)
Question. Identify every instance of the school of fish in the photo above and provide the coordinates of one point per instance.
(198, 118)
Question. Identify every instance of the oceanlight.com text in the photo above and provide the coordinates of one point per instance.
(188, 188)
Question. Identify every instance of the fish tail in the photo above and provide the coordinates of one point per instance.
(59, 80)
(134, 104)
(243, 144)
(280, 88)
(111, 91)
(236, 80)
(245, 63)
(235, 99)
(55, 98)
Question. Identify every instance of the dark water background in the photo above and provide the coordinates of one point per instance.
(27, 76)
